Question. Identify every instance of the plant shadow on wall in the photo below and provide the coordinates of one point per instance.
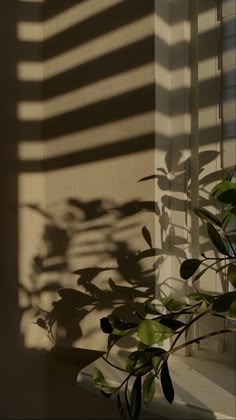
(91, 243)
(87, 237)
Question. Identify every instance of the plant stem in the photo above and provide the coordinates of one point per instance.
(202, 337)
(188, 326)
(111, 364)
(230, 244)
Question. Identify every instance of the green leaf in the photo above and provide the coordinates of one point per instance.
(136, 398)
(232, 310)
(231, 274)
(208, 216)
(152, 332)
(189, 267)
(140, 362)
(150, 308)
(166, 383)
(223, 302)
(216, 239)
(156, 362)
(228, 217)
(202, 297)
(225, 192)
(147, 236)
(149, 388)
(100, 382)
(173, 305)
(121, 333)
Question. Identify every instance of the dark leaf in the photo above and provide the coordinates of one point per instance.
(189, 267)
(41, 323)
(232, 310)
(223, 302)
(147, 236)
(225, 192)
(149, 388)
(231, 274)
(127, 398)
(123, 325)
(105, 325)
(147, 178)
(174, 324)
(216, 239)
(208, 216)
(120, 406)
(136, 398)
(166, 383)
(138, 361)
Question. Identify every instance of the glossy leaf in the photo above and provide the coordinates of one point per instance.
(189, 267)
(223, 302)
(225, 192)
(166, 383)
(174, 305)
(149, 388)
(174, 324)
(136, 398)
(147, 236)
(208, 216)
(152, 332)
(216, 239)
(123, 325)
(228, 217)
(105, 325)
(231, 274)
(139, 362)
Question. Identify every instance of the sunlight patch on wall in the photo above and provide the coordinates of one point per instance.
(205, 68)
(104, 44)
(30, 71)
(93, 137)
(42, 31)
(206, 21)
(30, 31)
(87, 95)
(31, 150)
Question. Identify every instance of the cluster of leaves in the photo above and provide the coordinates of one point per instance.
(149, 363)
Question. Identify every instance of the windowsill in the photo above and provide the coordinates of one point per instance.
(196, 396)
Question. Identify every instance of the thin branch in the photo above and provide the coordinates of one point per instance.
(202, 337)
